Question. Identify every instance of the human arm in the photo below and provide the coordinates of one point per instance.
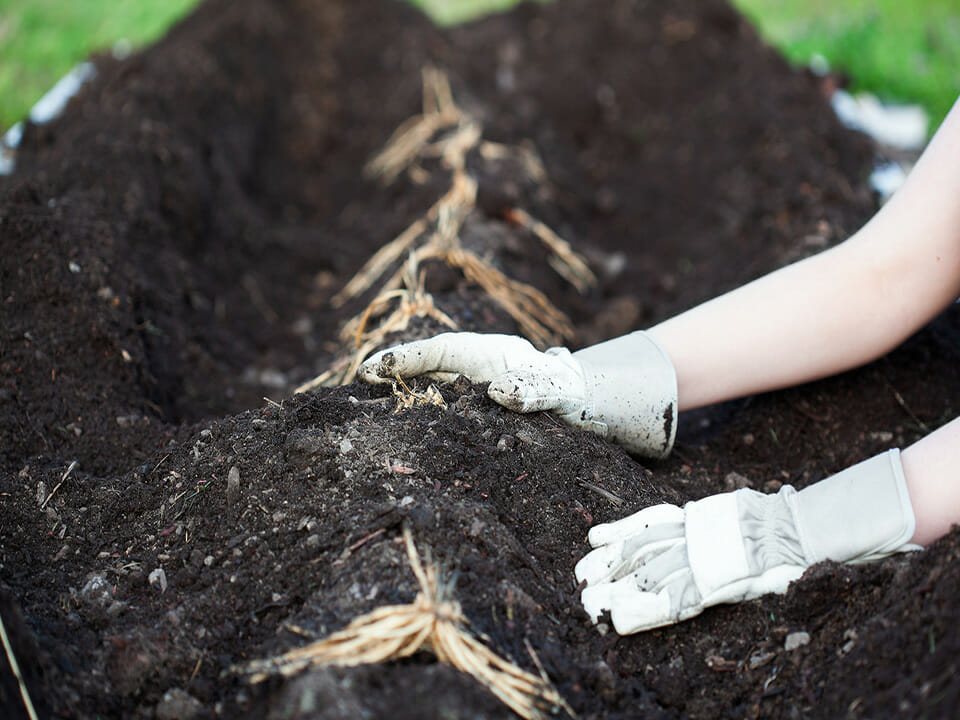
(623, 389)
(662, 564)
(665, 564)
(836, 310)
(825, 314)
(932, 470)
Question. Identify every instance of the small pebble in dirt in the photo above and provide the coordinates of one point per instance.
(759, 659)
(795, 640)
(345, 446)
(96, 591)
(178, 704)
(233, 485)
(735, 481)
(850, 636)
(158, 577)
(506, 443)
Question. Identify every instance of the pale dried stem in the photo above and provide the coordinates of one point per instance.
(15, 668)
(460, 198)
(537, 318)
(409, 140)
(565, 261)
(407, 398)
(381, 260)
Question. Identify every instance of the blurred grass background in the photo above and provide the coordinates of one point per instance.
(903, 50)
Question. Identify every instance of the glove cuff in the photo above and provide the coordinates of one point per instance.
(715, 543)
(862, 513)
(631, 394)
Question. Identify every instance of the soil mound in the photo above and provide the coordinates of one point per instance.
(170, 249)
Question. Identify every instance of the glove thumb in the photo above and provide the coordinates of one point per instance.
(556, 383)
(527, 391)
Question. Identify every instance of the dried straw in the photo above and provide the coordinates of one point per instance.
(436, 237)
(434, 621)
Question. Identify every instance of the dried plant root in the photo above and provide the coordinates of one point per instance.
(410, 139)
(436, 237)
(377, 265)
(539, 319)
(407, 398)
(457, 202)
(567, 263)
(434, 621)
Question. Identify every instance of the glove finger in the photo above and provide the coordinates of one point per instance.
(777, 580)
(616, 560)
(443, 377)
(600, 565)
(537, 389)
(662, 570)
(643, 611)
(676, 600)
(630, 609)
(669, 516)
(478, 356)
(596, 599)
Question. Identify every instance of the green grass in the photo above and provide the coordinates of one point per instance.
(901, 50)
(907, 50)
(40, 40)
(450, 12)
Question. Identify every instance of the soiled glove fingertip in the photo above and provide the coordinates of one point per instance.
(378, 368)
(637, 611)
(595, 600)
(581, 570)
(509, 393)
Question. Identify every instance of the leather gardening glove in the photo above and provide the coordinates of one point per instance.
(623, 389)
(665, 564)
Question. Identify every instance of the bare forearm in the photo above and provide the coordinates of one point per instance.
(837, 310)
(931, 467)
(794, 325)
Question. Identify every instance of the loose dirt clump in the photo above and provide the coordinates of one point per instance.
(170, 251)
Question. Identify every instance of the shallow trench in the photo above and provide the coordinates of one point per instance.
(170, 248)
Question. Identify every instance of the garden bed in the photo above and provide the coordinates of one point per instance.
(170, 248)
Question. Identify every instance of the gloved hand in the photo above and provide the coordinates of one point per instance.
(623, 389)
(665, 564)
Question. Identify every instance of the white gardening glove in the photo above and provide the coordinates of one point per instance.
(665, 564)
(623, 389)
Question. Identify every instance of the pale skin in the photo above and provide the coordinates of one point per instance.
(841, 309)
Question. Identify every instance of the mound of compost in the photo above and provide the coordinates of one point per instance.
(170, 247)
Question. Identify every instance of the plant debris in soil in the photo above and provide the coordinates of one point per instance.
(170, 248)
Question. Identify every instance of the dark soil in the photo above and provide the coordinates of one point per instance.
(169, 248)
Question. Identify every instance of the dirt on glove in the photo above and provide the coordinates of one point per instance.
(170, 247)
